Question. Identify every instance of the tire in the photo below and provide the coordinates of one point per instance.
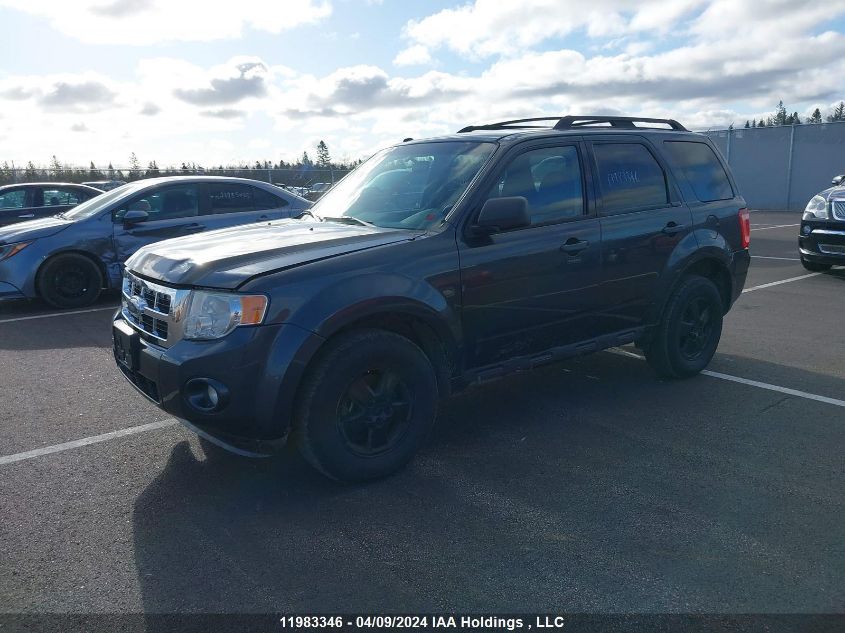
(70, 281)
(366, 405)
(687, 337)
(814, 267)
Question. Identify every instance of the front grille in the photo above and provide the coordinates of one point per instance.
(838, 208)
(151, 309)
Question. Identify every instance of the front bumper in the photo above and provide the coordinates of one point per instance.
(822, 241)
(8, 291)
(261, 367)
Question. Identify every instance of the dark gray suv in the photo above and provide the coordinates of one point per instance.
(67, 260)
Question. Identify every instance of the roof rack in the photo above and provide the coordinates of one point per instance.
(571, 121)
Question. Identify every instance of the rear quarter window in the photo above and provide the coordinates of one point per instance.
(701, 168)
(630, 178)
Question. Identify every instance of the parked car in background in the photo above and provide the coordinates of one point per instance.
(68, 259)
(317, 190)
(105, 185)
(26, 201)
(821, 241)
(433, 266)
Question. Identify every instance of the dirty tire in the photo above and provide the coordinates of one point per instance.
(70, 281)
(687, 337)
(367, 404)
(815, 267)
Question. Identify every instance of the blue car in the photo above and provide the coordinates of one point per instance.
(69, 259)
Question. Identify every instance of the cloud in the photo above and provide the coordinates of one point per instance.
(247, 82)
(413, 55)
(16, 93)
(122, 8)
(146, 22)
(88, 95)
(223, 113)
(150, 109)
(78, 127)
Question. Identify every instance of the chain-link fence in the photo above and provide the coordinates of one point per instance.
(304, 177)
(783, 167)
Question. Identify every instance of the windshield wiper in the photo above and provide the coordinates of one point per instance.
(347, 219)
(304, 213)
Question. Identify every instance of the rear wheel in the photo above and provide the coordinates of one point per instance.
(688, 335)
(70, 281)
(814, 267)
(366, 405)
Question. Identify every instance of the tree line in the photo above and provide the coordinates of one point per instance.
(302, 172)
(782, 117)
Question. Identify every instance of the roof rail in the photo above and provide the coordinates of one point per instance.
(569, 122)
(572, 121)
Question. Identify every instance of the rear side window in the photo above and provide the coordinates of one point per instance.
(701, 168)
(13, 199)
(630, 178)
(266, 200)
(60, 197)
(229, 198)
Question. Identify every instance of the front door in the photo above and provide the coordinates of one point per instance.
(531, 289)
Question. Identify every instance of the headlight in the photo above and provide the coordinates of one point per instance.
(212, 315)
(9, 250)
(816, 209)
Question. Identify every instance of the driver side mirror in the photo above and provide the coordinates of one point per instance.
(503, 214)
(837, 180)
(134, 216)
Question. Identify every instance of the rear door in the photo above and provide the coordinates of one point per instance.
(16, 205)
(174, 211)
(230, 204)
(531, 289)
(643, 218)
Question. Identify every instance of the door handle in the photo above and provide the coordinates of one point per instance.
(194, 226)
(672, 228)
(27, 215)
(263, 217)
(573, 246)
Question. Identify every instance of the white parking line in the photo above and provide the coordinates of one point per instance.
(782, 281)
(85, 441)
(55, 314)
(786, 259)
(777, 226)
(751, 383)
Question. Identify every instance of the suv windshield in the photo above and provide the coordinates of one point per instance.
(409, 186)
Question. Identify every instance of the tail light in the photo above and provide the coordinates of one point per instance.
(745, 227)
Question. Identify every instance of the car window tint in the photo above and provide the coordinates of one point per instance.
(59, 197)
(701, 168)
(630, 178)
(13, 199)
(163, 204)
(229, 198)
(266, 200)
(549, 179)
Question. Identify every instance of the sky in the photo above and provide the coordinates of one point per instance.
(219, 82)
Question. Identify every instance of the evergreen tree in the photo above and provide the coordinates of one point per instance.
(780, 115)
(762, 123)
(305, 160)
(152, 169)
(816, 117)
(134, 167)
(796, 120)
(747, 124)
(110, 171)
(323, 157)
(838, 113)
(753, 122)
(56, 168)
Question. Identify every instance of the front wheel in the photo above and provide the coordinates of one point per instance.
(70, 281)
(687, 337)
(814, 267)
(366, 405)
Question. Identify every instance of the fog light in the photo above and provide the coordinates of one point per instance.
(807, 229)
(206, 395)
(213, 398)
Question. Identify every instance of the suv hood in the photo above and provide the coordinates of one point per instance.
(32, 229)
(229, 257)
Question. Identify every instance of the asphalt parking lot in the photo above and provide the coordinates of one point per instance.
(586, 486)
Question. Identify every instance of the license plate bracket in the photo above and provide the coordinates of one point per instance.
(127, 345)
